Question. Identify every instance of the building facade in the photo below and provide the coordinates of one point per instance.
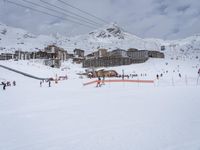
(6, 56)
(156, 54)
(138, 56)
(79, 53)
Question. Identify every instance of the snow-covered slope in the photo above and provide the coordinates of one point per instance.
(188, 47)
(110, 36)
(12, 39)
(117, 116)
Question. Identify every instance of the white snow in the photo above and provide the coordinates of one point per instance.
(110, 36)
(164, 115)
(117, 116)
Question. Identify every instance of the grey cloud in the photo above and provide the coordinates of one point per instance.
(183, 8)
(166, 19)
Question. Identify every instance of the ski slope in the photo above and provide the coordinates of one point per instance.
(117, 116)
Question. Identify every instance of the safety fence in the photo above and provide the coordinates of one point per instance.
(118, 81)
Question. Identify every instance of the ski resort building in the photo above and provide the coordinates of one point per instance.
(22, 55)
(79, 53)
(102, 52)
(78, 56)
(156, 54)
(6, 56)
(119, 57)
(54, 56)
(118, 53)
(54, 52)
(138, 56)
(107, 61)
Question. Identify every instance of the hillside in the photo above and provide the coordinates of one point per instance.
(68, 115)
(12, 39)
(110, 36)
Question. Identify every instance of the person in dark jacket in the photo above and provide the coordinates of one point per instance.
(49, 83)
(179, 75)
(157, 76)
(14, 83)
(41, 83)
(4, 85)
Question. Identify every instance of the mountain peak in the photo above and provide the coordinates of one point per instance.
(111, 30)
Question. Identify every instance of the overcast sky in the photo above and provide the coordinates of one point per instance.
(166, 19)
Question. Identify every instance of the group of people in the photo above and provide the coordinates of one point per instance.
(131, 75)
(161, 75)
(158, 76)
(42, 81)
(8, 83)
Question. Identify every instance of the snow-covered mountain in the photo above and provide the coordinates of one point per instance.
(12, 39)
(110, 36)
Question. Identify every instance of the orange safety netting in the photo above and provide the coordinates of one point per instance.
(112, 81)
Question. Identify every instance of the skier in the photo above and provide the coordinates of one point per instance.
(157, 76)
(4, 85)
(40, 83)
(14, 83)
(198, 76)
(49, 83)
(99, 82)
(179, 75)
(8, 83)
(90, 75)
(199, 71)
